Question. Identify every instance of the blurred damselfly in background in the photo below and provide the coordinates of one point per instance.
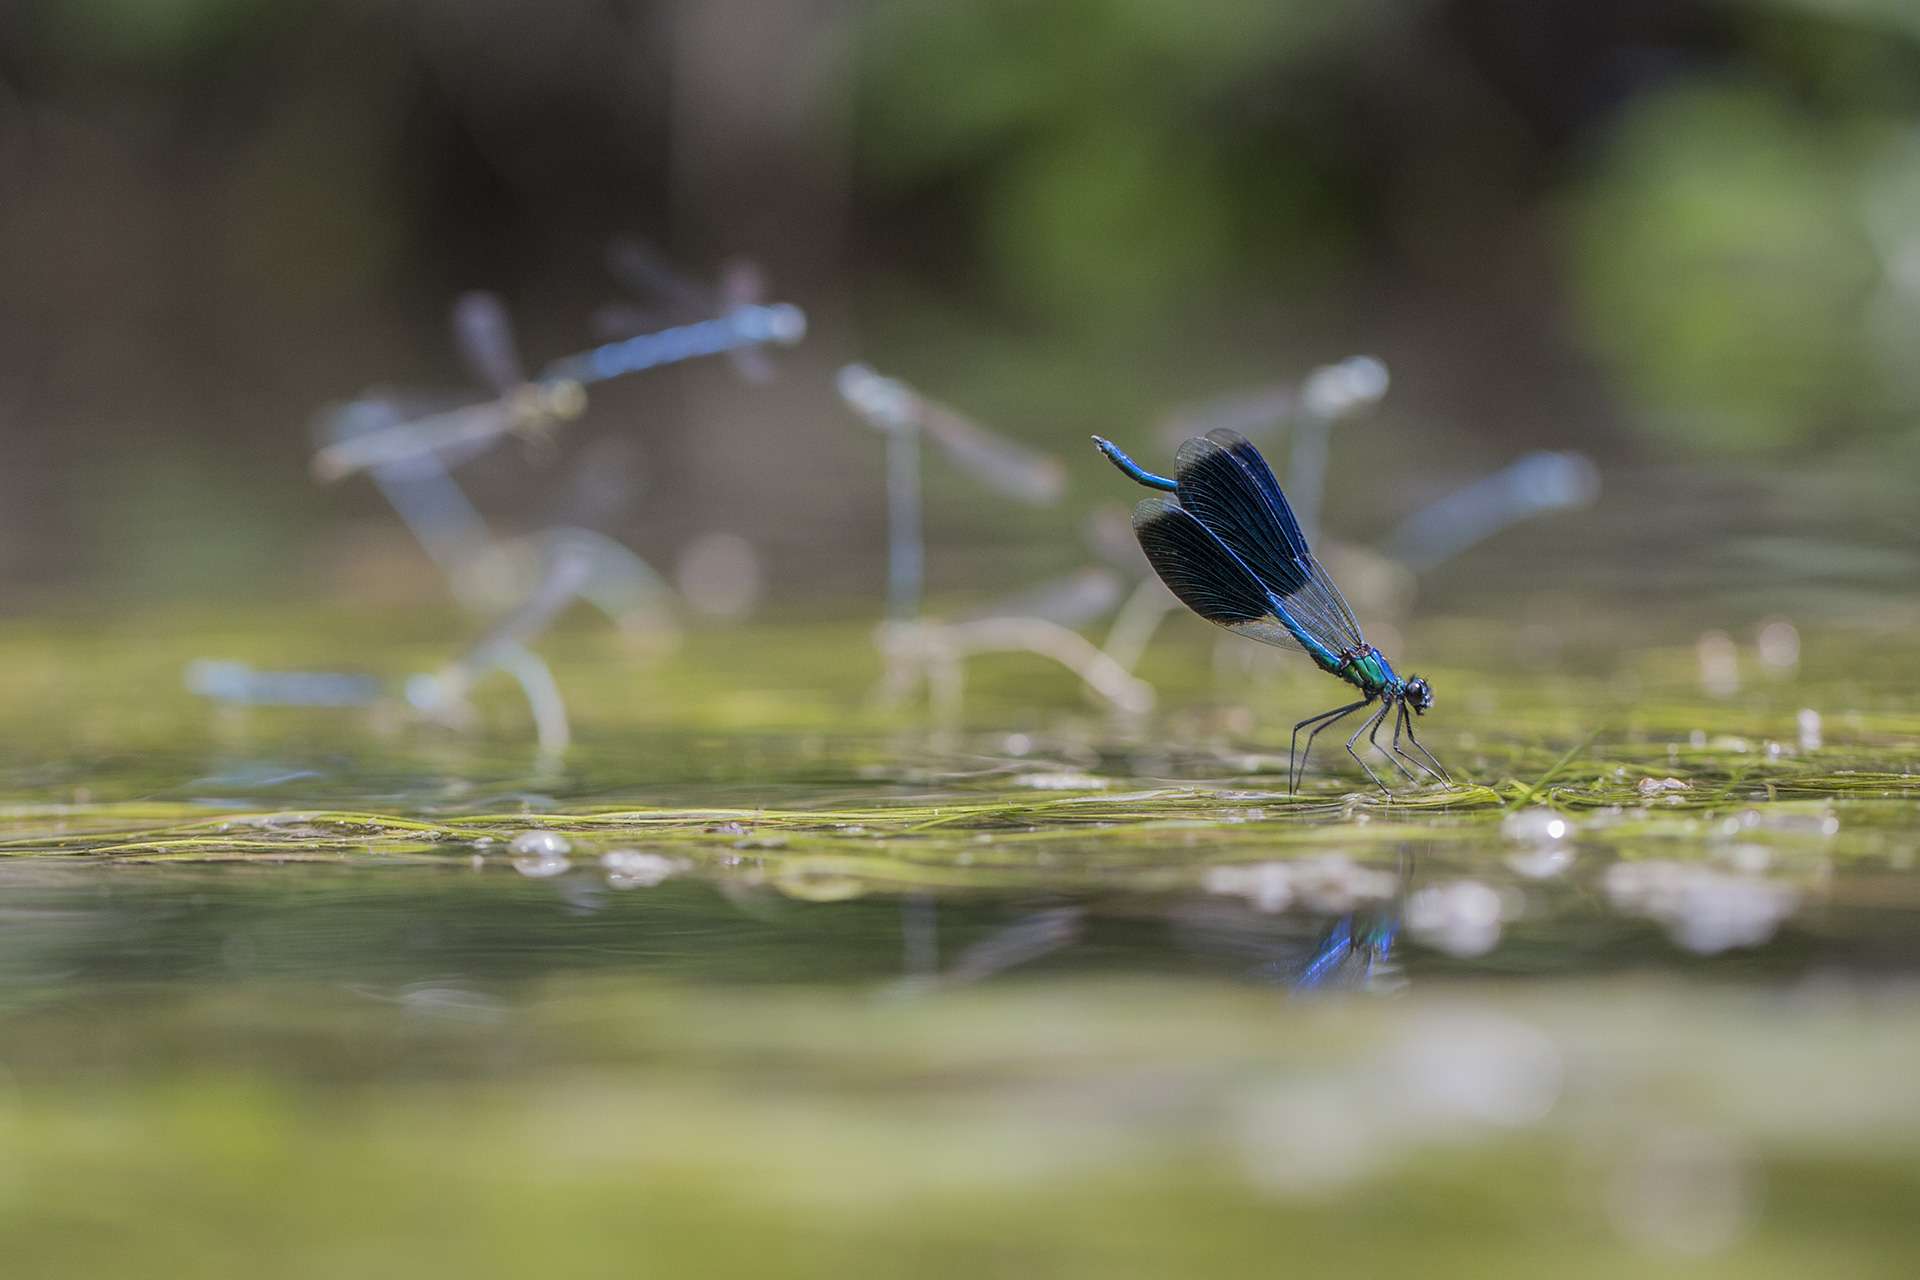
(522, 406)
(733, 321)
(1533, 485)
(904, 416)
(665, 298)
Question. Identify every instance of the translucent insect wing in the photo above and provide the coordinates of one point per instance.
(484, 335)
(1207, 577)
(1229, 488)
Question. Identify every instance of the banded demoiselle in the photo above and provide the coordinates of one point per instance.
(520, 405)
(665, 297)
(1229, 547)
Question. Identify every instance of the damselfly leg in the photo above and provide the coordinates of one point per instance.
(1430, 764)
(1439, 770)
(1373, 738)
(1399, 724)
(1419, 747)
(1370, 722)
(1319, 722)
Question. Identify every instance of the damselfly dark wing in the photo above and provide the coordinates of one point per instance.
(1208, 578)
(1229, 488)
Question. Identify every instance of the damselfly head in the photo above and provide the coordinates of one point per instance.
(1419, 694)
(557, 400)
(781, 322)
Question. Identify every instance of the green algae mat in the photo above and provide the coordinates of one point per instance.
(769, 975)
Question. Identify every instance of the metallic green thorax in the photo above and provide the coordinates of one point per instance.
(1368, 671)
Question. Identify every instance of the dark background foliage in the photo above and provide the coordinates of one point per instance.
(1673, 233)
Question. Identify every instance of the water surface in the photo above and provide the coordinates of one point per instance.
(763, 971)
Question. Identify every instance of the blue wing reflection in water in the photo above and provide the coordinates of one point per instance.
(1355, 952)
(1352, 952)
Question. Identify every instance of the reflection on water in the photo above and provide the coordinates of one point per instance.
(1077, 998)
(1089, 884)
(1255, 1050)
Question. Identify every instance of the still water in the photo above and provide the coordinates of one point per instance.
(757, 980)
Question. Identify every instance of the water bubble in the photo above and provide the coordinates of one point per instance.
(1746, 857)
(1546, 835)
(1703, 909)
(638, 869)
(1808, 724)
(1542, 862)
(1329, 885)
(1779, 644)
(1064, 781)
(1334, 884)
(1532, 826)
(1719, 663)
(1267, 885)
(540, 854)
(1659, 786)
(1461, 918)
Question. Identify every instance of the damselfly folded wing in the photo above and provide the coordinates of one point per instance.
(1229, 488)
(1208, 578)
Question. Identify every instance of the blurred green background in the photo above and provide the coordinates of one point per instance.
(1674, 234)
(294, 990)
